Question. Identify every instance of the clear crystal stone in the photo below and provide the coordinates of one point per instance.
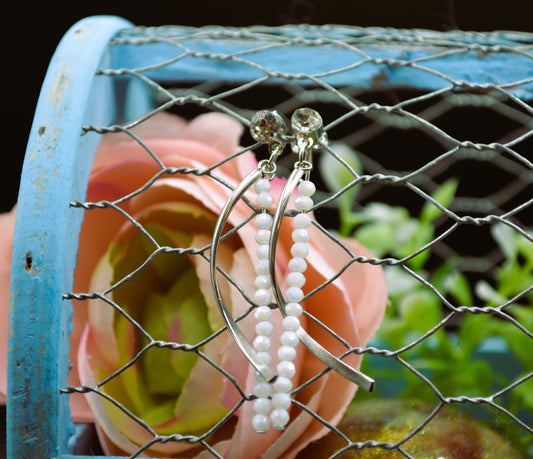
(306, 121)
(267, 126)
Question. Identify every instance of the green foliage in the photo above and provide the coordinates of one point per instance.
(456, 359)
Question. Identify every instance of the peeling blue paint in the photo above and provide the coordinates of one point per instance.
(55, 171)
(471, 58)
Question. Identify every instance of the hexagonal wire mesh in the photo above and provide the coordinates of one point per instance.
(439, 189)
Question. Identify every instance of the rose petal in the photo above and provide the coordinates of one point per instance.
(109, 417)
(7, 227)
(162, 125)
(101, 316)
(368, 292)
(89, 355)
(216, 130)
(199, 403)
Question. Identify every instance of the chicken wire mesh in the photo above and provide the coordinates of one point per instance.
(429, 140)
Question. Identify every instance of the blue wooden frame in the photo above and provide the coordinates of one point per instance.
(58, 162)
(55, 171)
(319, 51)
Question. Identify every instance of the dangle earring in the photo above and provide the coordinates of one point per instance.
(266, 127)
(308, 136)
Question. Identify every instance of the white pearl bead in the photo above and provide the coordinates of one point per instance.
(258, 376)
(289, 338)
(265, 200)
(303, 203)
(263, 282)
(301, 221)
(262, 343)
(263, 297)
(262, 186)
(294, 294)
(286, 369)
(306, 188)
(281, 401)
(261, 423)
(262, 390)
(282, 384)
(264, 357)
(263, 313)
(264, 328)
(299, 250)
(263, 236)
(299, 235)
(296, 279)
(280, 419)
(286, 353)
(297, 265)
(264, 220)
(262, 267)
(262, 406)
(294, 309)
(290, 323)
(262, 251)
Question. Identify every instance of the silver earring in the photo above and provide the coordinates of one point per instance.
(271, 407)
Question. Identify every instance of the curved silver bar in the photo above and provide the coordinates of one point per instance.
(319, 351)
(243, 344)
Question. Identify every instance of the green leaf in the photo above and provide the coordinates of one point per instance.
(393, 332)
(525, 247)
(473, 330)
(505, 237)
(410, 237)
(518, 341)
(525, 392)
(514, 279)
(486, 292)
(473, 380)
(378, 238)
(420, 310)
(444, 196)
(382, 213)
(458, 286)
(335, 174)
(399, 282)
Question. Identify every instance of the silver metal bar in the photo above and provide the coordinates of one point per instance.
(319, 351)
(238, 336)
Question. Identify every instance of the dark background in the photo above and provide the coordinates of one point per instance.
(32, 31)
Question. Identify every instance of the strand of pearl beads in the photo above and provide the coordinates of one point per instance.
(262, 297)
(281, 400)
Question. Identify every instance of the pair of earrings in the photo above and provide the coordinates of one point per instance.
(268, 127)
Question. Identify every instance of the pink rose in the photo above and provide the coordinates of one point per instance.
(179, 392)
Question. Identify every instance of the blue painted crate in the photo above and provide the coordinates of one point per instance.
(58, 161)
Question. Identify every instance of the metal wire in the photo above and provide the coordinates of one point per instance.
(362, 118)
